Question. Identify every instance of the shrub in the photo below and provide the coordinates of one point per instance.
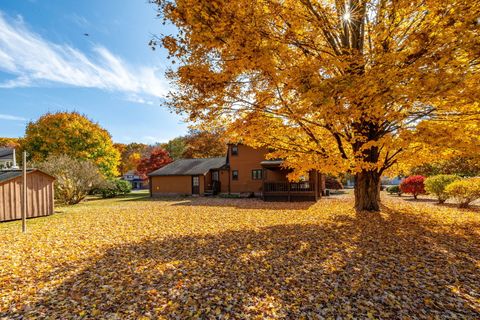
(114, 187)
(124, 187)
(332, 183)
(436, 185)
(394, 189)
(414, 185)
(464, 191)
(74, 178)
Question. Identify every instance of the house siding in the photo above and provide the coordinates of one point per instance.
(224, 181)
(171, 185)
(248, 159)
(276, 175)
(202, 184)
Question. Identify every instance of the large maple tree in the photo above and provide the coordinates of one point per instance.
(74, 135)
(336, 86)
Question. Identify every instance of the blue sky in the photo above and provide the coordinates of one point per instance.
(47, 64)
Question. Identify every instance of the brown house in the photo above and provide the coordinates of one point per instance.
(243, 171)
(39, 194)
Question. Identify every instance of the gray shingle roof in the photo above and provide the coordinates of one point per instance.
(6, 153)
(12, 174)
(189, 167)
(7, 175)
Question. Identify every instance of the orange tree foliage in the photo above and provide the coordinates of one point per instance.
(205, 144)
(331, 85)
(72, 134)
(10, 143)
(131, 154)
(158, 158)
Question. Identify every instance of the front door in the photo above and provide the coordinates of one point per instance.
(195, 185)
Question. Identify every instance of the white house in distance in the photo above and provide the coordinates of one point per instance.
(132, 177)
(7, 158)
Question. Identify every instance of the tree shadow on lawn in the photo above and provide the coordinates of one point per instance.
(390, 265)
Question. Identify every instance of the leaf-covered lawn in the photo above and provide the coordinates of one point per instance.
(242, 258)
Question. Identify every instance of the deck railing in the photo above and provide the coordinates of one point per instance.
(282, 187)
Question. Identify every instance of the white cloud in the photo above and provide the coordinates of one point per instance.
(34, 60)
(20, 81)
(152, 139)
(141, 100)
(11, 117)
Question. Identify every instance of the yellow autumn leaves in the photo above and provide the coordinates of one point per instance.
(242, 258)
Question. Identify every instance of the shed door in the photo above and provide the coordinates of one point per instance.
(195, 185)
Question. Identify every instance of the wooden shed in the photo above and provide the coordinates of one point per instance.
(40, 194)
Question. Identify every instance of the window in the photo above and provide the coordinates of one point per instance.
(257, 174)
(234, 150)
(196, 181)
(234, 174)
(215, 176)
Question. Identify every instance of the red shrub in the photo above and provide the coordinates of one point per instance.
(414, 185)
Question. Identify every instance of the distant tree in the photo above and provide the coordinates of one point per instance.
(394, 189)
(74, 178)
(205, 144)
(10, 143)
(72, 134)
(175, 147)
(461, 166)
(157, 159)
(121, 150)
(414, 185)
(131, 154)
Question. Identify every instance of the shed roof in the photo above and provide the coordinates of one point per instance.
(190, 167)
(6, 175)
(6, 153)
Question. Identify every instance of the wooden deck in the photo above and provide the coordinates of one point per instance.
(289, 191)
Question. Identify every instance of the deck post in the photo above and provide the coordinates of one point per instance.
(288, 187)
(264, 173)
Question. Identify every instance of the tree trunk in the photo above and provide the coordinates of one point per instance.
(367, 191)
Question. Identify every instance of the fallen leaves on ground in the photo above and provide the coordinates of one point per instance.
(242, 258)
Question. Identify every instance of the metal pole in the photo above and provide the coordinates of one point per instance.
(24, 192)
